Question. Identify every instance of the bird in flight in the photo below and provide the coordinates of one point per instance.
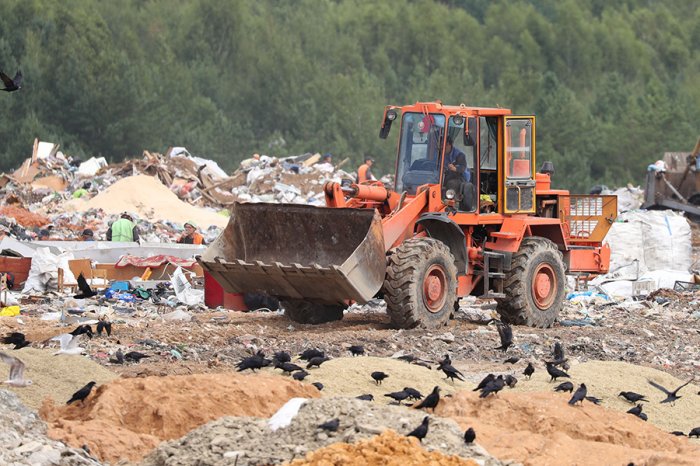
(11, 84)
(671, 397)
(69, 344)
(16, 377)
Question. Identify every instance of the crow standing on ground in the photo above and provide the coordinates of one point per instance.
(671, 397)
(378, 376)
(135, 356)
(311, 353)
(318, 385)
(579, 395)
(398, 396)
(287, 367)
(84, 287)
(421, 431)
(632, 397)
(357, 350)
(637, 410)
(451, 373)
(300, 375)
(367, 397)
(282, 356)
(413, 394)
(511, 360)
(505, 332)
(564, 387)
(529, 370)
(331, 425)
(469, 435)
(118, 357)
(13, 84)
(593, 399)
(430, 401)
(484, 382)
(17, 339)
(555, 373)
(316, 361)
(695, 432)
(494, 387)
(81, 394)
(104, 325)
(82, 330)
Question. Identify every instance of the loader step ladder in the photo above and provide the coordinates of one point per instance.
(493, 272)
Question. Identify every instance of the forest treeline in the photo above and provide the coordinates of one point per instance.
(613, 84)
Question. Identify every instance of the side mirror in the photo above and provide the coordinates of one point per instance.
(389, 117)
(470, 132)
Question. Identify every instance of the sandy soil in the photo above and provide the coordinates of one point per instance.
(127, 418)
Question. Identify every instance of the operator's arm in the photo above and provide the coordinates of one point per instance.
(135, 233)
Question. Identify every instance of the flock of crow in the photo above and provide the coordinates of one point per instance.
(490, 385)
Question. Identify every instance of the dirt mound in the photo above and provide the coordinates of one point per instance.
(53, 376)
(606, 379)
(24, 217)
(151, 199)
(351, 377)
(128, 417)
(248, 442)
(541, 428)
(389, 449)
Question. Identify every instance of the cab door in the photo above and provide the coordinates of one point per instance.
(518, 165)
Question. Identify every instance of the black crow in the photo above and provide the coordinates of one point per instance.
(331, 425)
(300, 375)
(357, 350)
(506, 334)
(135, 356)
(118, 357)
(318, 385)
(282, 356)
(81, 394)
(367, 397)
(677, 433)
(632, 397)
(104, 325)
(671, 397)
(564, 387)
(430, 401)
(445, 361)
(579, 395)
(311, 353)
(84, 287)
(413, 394)
(378, 376)
(82, 330)
(558, 351)
(451, 372)
(594, 400)
(695, 432)
(469, 435)
(636, 410)
(511, 360)
(17, 339)
(398, 396)
(484, 382)
(643, 417)
(421, 431)
(287, 367)
(13, 84)
(316, 361)
(529, 370)
(494, 387)
(511, 381)
(555, 373)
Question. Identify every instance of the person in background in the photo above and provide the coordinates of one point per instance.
(123, 230)
(87, 235)
(44, 235)
(364, 173)
(327, 158)
(190, 235)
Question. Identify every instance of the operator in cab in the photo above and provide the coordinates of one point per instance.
(457, 175)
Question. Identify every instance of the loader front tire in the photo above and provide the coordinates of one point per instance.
(420, 288)
(534, 286)
(304, 312)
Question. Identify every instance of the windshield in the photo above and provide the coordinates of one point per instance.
(419, 148)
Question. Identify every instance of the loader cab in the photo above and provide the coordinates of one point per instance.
(420, 149)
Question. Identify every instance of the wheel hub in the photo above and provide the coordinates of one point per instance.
(434, 288)
(544, 286)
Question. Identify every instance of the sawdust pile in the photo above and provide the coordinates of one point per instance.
(150, 199)
(388, 449)
(541, 428)
(606, 379)
(24, 217)
(127, 418)
(54, 376)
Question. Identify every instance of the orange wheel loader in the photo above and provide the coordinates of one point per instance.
(469, 214)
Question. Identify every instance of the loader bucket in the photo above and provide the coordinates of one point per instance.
(316, 254)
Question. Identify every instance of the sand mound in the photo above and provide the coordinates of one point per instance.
(151, 199)
(541, 428)
(389, 449)
(351, 377)
(24, 217)
(248, 442)
(57, 377)
(606, 379)
(127, 418)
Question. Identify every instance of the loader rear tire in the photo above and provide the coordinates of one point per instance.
(534, 286)
(304, 312)
(420, 288)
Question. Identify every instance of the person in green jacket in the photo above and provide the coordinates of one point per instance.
(123, 230)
